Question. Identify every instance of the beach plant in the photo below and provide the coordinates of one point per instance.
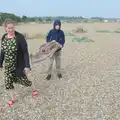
(103, 31)
(82, 39)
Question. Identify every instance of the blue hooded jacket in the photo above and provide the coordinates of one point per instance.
(57, 35)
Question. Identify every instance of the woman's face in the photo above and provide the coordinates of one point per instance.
(10, 28)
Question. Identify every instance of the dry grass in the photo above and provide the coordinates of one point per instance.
(89, 89)
(35, 36)
(79, 30)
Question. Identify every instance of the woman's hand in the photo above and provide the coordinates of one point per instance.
(27, 70)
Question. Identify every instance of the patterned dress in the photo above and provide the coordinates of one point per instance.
(10, 50)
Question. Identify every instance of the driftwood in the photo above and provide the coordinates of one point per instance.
(46, 50)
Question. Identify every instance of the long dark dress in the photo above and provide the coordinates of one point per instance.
(9, 47)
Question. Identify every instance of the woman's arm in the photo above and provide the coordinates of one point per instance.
(1, 58)
(1, 54)
(24, 47)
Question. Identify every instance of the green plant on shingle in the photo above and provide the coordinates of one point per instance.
(116, 31)
(81, 39)
(69, 34)
(46, 34)
(103, 31)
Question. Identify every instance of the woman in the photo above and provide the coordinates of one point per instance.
(14, 52)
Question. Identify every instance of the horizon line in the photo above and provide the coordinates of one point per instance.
(61, 16)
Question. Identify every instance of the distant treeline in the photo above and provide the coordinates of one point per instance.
(47, 19)
(18, 19)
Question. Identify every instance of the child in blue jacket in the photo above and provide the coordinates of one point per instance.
(58, 35)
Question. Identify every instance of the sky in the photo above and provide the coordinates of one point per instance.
(85, 8)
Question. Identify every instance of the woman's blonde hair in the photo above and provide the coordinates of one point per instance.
(8, 21)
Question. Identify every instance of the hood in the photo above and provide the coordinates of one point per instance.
(57, 22)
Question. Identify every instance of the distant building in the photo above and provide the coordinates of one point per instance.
(106, 21)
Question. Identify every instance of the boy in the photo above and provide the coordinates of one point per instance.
(58, 35)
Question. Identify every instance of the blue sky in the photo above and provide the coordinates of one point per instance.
(87, 8)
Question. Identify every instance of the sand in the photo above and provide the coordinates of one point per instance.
(90, 87)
